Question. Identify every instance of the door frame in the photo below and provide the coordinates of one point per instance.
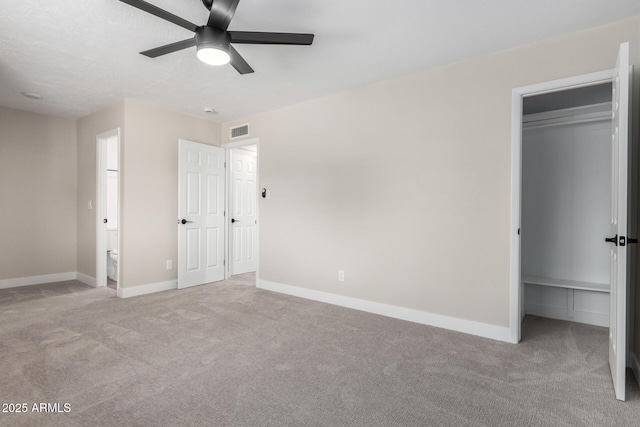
(100, 207)
(227, 242)
(518, 94)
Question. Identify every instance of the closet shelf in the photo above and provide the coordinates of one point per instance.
(568, 284)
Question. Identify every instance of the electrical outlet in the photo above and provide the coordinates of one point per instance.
(340, 275)
(169, 264)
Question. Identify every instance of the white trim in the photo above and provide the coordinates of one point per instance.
(515, 286)
(574, 82)
(243, 143)
(635, 366)
(227, 212)
(149, 288)
(484, 330)
(568, 314)
(517, 95)
(86, 279)
(37, 280)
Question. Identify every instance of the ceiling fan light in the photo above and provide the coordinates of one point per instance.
(213, 56)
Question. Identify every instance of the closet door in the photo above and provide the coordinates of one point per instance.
(617, 239)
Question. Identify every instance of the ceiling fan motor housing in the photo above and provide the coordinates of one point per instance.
(211, 37)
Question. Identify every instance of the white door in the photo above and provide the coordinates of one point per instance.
(243, 212)
(200, 214)
(619, 151)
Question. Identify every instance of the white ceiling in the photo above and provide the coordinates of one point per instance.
(83, 55)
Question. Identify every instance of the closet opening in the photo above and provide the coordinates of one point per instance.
(565, 170)
(566, 200)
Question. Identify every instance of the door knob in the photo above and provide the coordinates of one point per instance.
(234, 220)
(184, 221)
(613, 239)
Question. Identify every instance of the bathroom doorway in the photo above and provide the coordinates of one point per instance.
(107, 209)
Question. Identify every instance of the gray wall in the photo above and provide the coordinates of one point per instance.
(405, 184)
(566, 201)
(37, 194)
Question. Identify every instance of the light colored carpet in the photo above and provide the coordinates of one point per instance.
(228, 354)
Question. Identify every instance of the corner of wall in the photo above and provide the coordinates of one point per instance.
(87, 128)
(149, 171)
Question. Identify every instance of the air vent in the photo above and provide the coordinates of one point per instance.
(239, 131)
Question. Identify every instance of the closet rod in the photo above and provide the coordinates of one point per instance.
(600, 117)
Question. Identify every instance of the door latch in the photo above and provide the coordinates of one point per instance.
(621, 240)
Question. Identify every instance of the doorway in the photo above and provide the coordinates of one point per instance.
(217, 212)
(566, 200)
(243, 216)
(618, 141)
(201, 213)
(242, 206)
(107, 209)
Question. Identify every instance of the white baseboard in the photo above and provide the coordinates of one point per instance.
(485, 330)
(86, 279)
(149, 288)
(561, 313)
(36, 280)
(635, 367)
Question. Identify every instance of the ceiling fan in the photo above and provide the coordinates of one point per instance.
(213, 41)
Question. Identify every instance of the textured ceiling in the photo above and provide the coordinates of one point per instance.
(83, 55)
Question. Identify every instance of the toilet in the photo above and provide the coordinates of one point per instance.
(112, 255)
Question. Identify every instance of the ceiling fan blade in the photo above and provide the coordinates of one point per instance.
(238, 62)
(252, 37)
(221, 13)
(173, 47)
(161, 13)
